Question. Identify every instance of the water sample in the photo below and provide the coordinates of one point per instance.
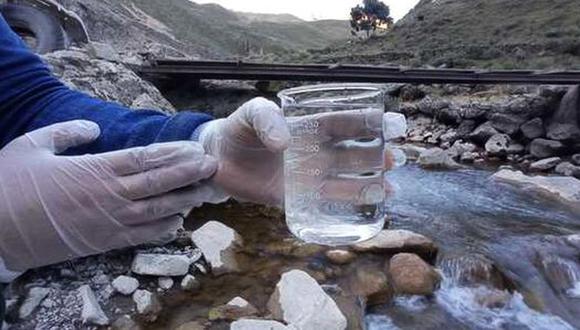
(334, 183)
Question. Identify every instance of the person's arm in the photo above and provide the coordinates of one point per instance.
(31, 98)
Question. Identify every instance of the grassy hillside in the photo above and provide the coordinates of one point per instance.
(206, 31)
(474, 33)
(226, 33)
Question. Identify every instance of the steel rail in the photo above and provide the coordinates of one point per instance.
(182, 69)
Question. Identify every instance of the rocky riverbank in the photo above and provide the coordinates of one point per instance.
(533, 129)
(236, 266)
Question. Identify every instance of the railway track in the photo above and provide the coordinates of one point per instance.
(176, 70)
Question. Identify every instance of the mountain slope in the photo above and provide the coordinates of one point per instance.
(207, 31)
(482, 33)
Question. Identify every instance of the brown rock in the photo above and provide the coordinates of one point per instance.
(413, 276)
(340, 257)
(397, 241)
(371, 283)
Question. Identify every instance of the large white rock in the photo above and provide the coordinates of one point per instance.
(218, 243)
(125, 285)
(161, 265)
(302, 303)
(147, 304)
(258, 325)
(34, 298)
(394, 126)
(561, 188)
(92, 313)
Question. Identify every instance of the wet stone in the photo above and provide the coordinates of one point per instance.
(395, 241)
(371, 283)
(340, 257)
(125, 322)
(412, 276)
(564, 189)
(235, 309)
(438, 159)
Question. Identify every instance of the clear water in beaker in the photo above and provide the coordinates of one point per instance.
(334, 183)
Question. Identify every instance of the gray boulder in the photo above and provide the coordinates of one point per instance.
(533, 129)
(506, 123)
(498, 145)
(437, 159)
(482, 133)
(563, 189)
(545, 164)
(568, 169)
(576, 159)
(564, 123)
(542, 148)
(105, 80)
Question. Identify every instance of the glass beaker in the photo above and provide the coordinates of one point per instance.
(334, 185)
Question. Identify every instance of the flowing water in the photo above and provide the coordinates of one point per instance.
(504, 256)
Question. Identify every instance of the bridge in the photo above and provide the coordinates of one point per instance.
(184, 70)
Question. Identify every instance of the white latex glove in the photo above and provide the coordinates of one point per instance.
(249, 147)
(55, 208)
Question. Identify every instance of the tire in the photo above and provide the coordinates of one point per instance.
(33, 22)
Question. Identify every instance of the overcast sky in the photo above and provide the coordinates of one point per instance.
(310, 9)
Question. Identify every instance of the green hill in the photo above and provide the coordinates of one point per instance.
(474, 33)
(207, 31)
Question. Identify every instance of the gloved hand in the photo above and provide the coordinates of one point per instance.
(249, 147)
(55, 208)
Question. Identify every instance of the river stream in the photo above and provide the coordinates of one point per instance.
(495, 241)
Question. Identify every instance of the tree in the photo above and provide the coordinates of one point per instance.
(371, 16)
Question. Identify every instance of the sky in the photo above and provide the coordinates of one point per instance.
(310, 9)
